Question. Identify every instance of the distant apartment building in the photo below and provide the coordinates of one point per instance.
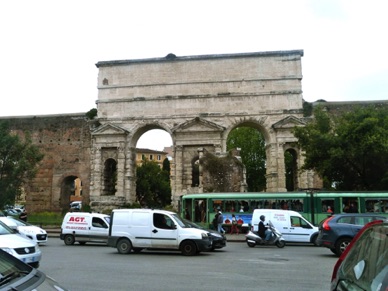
(150, 155)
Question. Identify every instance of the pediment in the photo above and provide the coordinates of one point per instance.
(198, 125)
(288, 122)
(110, 129)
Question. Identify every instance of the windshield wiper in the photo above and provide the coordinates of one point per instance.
(9, 277)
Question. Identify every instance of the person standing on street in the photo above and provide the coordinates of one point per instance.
(23, 215)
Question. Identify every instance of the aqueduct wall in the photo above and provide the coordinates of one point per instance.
(198, 100)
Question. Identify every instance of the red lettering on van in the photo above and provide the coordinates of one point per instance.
(76, 219)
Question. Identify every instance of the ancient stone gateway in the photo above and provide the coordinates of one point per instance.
(198, 100)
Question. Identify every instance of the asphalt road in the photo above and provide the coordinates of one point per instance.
(236, 267)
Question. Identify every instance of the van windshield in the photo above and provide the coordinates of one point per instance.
(180, 222)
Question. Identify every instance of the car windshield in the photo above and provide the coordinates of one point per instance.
(366, 264)
(11, 268)
(5, 229)
(19, 222)
(192, 224)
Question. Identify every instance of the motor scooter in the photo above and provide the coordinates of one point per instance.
(277, 239)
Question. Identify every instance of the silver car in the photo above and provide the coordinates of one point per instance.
(25, 229)
(22, 248)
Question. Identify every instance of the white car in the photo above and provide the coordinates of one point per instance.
(25, 229)
(24, 249)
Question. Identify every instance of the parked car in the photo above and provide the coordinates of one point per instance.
(16, 275)
(337, 231)
(22, 248)
(27, 230)
(76, 205)
(364, 263)
(219, 240)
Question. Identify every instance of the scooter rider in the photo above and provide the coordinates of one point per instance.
(264, 232)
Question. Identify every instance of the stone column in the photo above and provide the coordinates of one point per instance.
(281, 168)
(178, 190)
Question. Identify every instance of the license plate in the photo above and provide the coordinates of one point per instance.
(29, 260)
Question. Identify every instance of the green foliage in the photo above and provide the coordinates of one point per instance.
(91, 113)
(350, 151)
(45, 218)
(307, 109)
(152, 185)
(218, 170)
(18, 164)
(253, 156)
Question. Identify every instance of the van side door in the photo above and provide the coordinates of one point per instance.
(98, 230)
(164, 232)
(300, 230)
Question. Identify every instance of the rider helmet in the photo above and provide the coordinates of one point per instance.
(262, 217)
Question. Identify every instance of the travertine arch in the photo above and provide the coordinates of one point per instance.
(198, 100)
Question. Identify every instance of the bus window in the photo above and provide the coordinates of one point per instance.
(327, 205)
(350, 205)
(374, 205)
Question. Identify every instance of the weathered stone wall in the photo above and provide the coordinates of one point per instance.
(65, 141)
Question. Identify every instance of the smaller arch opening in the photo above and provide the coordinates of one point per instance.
(110, 177)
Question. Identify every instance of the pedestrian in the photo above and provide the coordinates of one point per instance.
(234, 225)
(187, 214)
(23, 215)
(220, 221)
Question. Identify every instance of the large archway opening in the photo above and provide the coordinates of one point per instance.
(154, 155)
(251, 143)
(71, 190)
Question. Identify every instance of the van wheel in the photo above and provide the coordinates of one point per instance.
(69, 239)
(188, 248)
(124, 246)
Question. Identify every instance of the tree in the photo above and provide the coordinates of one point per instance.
(348, 151)
(18, 164)
(253, 156)
(153, 184)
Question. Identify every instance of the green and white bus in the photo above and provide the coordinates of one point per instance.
(313, 205)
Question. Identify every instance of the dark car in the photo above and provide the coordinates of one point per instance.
(219, 240)
(337, 231)
(16, 275)
(364, 264)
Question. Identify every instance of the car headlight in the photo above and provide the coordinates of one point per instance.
(36, 247)
(204, 235)
(216, 235)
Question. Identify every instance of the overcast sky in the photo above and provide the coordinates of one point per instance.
(49, 49)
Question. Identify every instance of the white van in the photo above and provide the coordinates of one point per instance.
(138, 229)
(84, 227)
(293, 226)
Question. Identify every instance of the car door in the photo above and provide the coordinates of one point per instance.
(164, 233)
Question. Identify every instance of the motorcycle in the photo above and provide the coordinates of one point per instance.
(277, 239)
